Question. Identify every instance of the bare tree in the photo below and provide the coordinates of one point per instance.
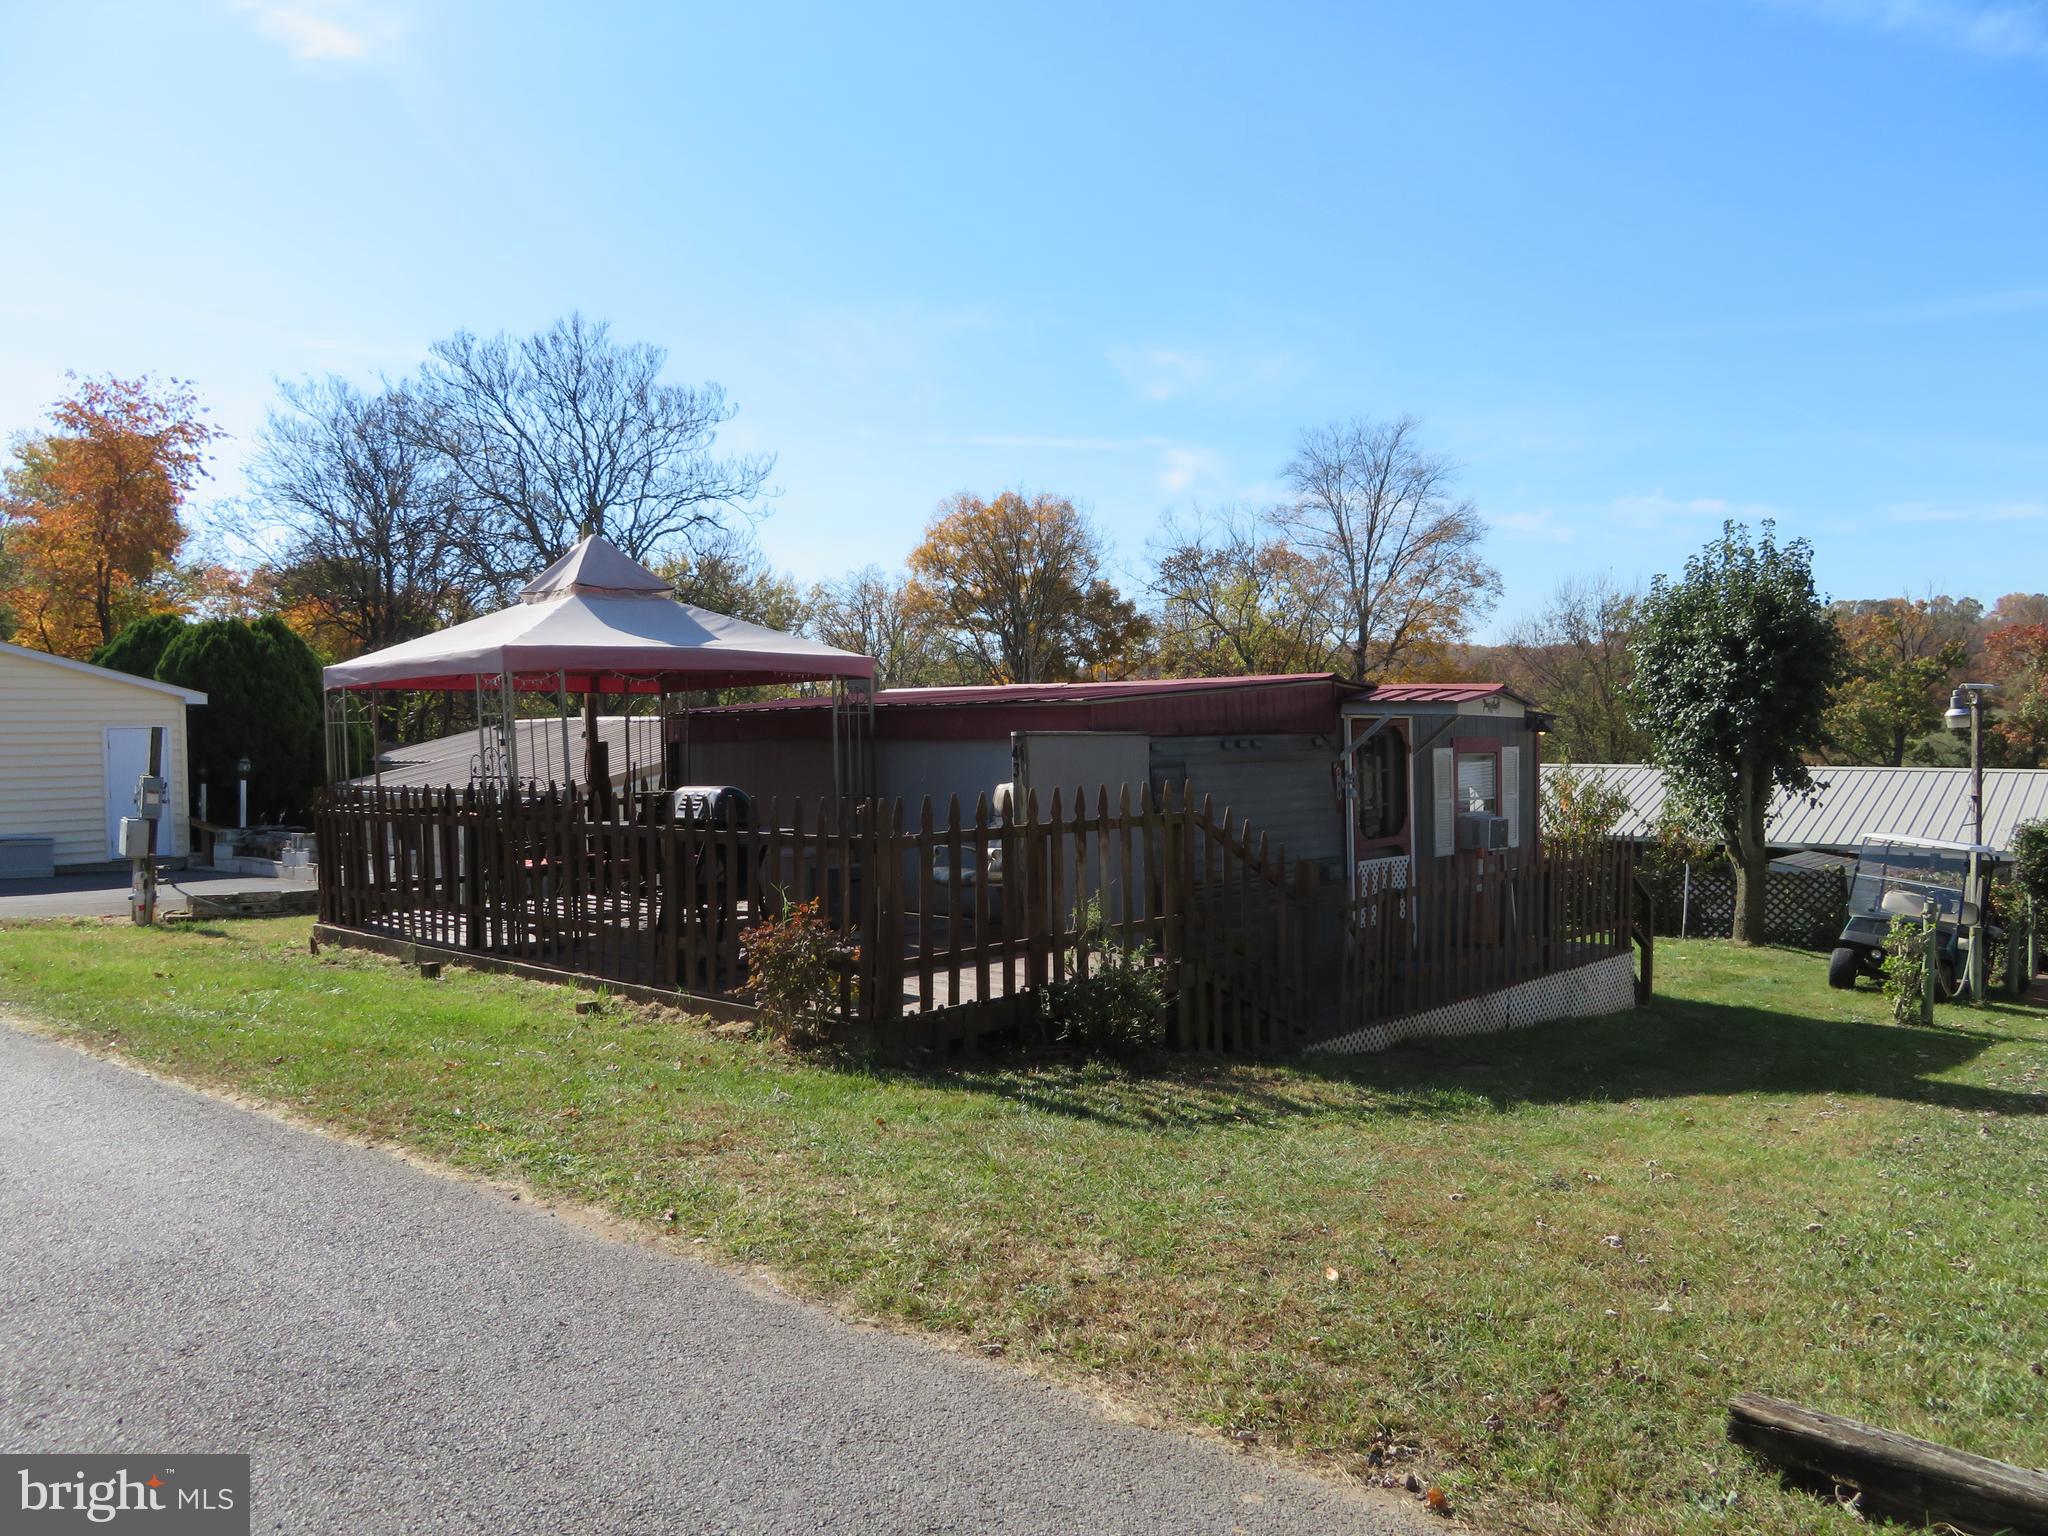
(1380, 513)
(567, 433)
(357, 515)
(872, 612)
(1230, 595)
(1574, 658)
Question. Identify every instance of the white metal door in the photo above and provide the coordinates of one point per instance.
(127, 759)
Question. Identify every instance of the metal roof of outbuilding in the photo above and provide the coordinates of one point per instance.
(543, 755)
(1852, 803)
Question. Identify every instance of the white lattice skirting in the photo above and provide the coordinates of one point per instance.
(1584, 992)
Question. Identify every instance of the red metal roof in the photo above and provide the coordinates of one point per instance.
(1132, 689)
(1079, 693)
(1298, 702)
(1050, 693)
(1435, 693)
(1307, 702)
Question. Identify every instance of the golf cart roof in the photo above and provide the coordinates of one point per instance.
(1939, 843)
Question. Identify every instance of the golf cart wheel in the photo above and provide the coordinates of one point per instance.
(1844, 965)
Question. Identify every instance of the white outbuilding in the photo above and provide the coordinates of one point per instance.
(74, 738)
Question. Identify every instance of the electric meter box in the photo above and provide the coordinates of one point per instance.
(134, 838)
(149, 797)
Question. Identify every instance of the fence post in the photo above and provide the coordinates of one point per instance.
(2031, 950)
(889, 921)
(1930, 963)
(1645, 936)
(1306, 884)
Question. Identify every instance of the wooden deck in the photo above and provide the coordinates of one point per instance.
(628, 894)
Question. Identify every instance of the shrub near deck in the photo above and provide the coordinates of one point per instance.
(1545, 1259)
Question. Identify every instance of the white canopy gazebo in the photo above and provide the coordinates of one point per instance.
(595, 622)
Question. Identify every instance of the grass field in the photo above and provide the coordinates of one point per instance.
(1544, 1260)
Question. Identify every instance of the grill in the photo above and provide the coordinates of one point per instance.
(712, 805)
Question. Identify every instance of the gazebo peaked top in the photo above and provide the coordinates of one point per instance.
(596, 567)
(597, 621)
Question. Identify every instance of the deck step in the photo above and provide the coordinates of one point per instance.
(289, 903)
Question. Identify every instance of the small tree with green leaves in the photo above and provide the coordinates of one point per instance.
(2030, 887)
(1734, 667)
(2030, 862)
(1578, 809)
(1905, 971)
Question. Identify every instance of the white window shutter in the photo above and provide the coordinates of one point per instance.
(1511, 792)
(1446, 803)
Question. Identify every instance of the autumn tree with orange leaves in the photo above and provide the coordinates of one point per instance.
(1017, 590)
(2017, 656)
(91, 509)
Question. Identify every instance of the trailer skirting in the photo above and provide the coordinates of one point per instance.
(1583, 992)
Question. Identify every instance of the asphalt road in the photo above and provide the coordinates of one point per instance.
(404, 1352)
(106, 895)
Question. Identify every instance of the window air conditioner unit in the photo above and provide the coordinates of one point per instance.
(1477, 829)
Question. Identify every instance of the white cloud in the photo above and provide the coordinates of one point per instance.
(1180, 468)
(1532, 525)
(326, 31)
(1056, 443)
(1992, 512)
(1158, 373)
(1656, 509)
(1995, 31)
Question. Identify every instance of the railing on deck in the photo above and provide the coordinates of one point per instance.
(956, 922)
(1480, 925)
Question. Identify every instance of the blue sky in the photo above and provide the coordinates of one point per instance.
(1639, 267)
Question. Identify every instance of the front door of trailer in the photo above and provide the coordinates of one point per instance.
(127, 759)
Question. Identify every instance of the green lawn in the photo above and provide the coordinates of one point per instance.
(1544, 1260)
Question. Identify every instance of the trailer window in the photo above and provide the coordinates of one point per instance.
(1479, 782)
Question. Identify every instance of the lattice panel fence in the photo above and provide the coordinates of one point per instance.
(1583, 992)
(1805, 907)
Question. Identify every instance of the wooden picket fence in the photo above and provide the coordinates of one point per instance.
(1482, 925)
(951, 926)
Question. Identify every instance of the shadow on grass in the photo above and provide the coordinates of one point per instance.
(1675, 1048)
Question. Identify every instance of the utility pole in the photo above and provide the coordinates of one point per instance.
(138, 833)
(1966, 713)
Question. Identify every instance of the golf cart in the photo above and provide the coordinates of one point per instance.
(1897, 876)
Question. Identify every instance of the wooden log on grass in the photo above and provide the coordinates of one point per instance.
(1898, 1476)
